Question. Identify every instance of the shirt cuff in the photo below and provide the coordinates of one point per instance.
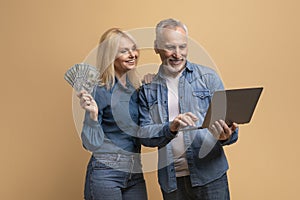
(169, 133)
(225, 142)
(88, 121)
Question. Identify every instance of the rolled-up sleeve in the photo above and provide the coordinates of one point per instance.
(233, 138)
(151, 134)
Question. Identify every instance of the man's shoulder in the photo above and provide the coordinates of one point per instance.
(200, 69)
(150, 86)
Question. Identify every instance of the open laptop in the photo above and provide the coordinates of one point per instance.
(235, 105)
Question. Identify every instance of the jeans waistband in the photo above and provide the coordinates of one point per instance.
(126, 163)
(117, 157)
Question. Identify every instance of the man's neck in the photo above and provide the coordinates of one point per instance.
(171, 74)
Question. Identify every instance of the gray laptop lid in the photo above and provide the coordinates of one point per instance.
(236, 105)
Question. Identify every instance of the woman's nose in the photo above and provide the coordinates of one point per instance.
(131, 53)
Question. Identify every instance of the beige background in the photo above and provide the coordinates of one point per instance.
(253, 43)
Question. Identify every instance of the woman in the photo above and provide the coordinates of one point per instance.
(110, 126)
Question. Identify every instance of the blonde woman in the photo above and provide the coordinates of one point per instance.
(111, 123)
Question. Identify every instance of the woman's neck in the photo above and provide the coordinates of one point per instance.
(121, 78)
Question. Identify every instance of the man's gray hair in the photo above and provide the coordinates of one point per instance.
(169, 24)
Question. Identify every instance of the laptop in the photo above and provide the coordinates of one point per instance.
(234, 105)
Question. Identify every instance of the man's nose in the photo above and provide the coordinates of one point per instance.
(177, 53)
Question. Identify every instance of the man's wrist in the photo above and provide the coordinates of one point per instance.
(173, 132)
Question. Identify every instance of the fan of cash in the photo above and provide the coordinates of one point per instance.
(82, 76)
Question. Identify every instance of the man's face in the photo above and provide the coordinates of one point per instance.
(172, 48)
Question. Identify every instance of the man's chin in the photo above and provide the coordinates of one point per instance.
(174, 68)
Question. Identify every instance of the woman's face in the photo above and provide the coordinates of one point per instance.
(127, 56)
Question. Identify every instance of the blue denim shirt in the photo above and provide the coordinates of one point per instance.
(117, 129)
(205, 155)
(105, 136)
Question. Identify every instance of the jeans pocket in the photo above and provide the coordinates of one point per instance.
(104, 164)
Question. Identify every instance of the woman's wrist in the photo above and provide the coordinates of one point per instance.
(94, 116)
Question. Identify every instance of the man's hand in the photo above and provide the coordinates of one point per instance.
(183, 120)
(221, 131)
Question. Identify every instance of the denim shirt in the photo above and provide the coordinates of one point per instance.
(109, 134)
(205, 155)
(117, 129)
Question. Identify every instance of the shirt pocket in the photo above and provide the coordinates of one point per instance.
(203, 98)
(126, 115)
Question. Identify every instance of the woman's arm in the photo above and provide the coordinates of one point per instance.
(92, 134)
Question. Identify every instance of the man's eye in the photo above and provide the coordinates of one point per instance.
(170, 47)
(182, 46)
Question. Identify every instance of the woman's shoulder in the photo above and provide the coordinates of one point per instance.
(100, 92)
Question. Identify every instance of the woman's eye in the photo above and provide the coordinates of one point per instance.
(123, 51)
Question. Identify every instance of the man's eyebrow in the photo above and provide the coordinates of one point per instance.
(172, 44)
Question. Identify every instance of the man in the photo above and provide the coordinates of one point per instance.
(193, 165)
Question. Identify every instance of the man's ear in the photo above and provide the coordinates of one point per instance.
(155, 47)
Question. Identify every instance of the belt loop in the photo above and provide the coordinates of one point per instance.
(118, 158)
(132, 166)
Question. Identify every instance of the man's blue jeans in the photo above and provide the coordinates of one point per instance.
(216, 190)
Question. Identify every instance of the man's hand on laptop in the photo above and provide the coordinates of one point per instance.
(183, 120)
(221, 131)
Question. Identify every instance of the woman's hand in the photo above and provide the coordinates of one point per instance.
(148, 78)
(88, 103)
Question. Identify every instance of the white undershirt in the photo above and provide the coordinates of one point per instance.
(177, 143)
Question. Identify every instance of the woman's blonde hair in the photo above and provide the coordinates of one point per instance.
(106, 55)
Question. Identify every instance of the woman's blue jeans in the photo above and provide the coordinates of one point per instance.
(114, 177)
